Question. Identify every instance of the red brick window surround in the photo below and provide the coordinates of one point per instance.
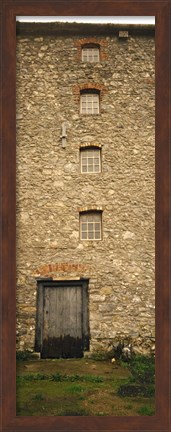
(101, 43)
(89, 87)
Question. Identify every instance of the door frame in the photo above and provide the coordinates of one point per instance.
(42, 284)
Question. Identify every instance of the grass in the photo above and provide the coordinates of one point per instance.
(76, 387)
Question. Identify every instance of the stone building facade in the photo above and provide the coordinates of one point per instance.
(85, 175)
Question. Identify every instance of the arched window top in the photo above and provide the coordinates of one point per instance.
(90, 144)
(90, 45)
(90, 52)
(91, 90)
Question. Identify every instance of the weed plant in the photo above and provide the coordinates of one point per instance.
(60, 378)
(146, 410)
(25, 355)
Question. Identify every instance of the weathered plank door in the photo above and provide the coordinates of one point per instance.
(62, 318)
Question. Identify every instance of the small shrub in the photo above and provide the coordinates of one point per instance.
(22, 378)
(56, 377)
(38, 397)
(101, 355)
(146, 410)
(41, 377)
(141, 383)
(128, 406)
(32, 377)
(75, 388)
(25, 355)
(59, 378)
(75, 378)
(93, 378)
(142, 369)
(133, 390)
(150, 390)
(73, 412)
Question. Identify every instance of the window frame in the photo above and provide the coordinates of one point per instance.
(90, 213)
(87, 149)
(88, 92)
(90, 46)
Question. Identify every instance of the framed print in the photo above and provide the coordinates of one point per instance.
(85, 212)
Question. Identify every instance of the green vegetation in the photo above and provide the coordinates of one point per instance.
(80, 387)
(38, 397)
(75, 388)
(25, 355)
(141, 381)
(146, 410)
(101, 355)
(59, 378)
(142, 369)
(77, 411)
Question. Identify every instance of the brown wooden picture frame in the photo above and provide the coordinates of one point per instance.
(10, 9)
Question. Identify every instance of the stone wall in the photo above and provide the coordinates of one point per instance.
(51, 189)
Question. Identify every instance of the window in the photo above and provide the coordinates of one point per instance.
(89, 102)
(91, 226)
(90, 54)
(90, 160)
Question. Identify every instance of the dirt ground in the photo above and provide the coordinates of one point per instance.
(72, 366)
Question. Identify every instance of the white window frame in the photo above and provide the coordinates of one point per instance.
(91, 226)
(90, 160)
(90, 54)
(90, 103)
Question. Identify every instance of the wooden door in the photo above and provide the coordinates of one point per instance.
(63, 320)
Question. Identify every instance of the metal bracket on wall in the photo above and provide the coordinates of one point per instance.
(64, 134)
